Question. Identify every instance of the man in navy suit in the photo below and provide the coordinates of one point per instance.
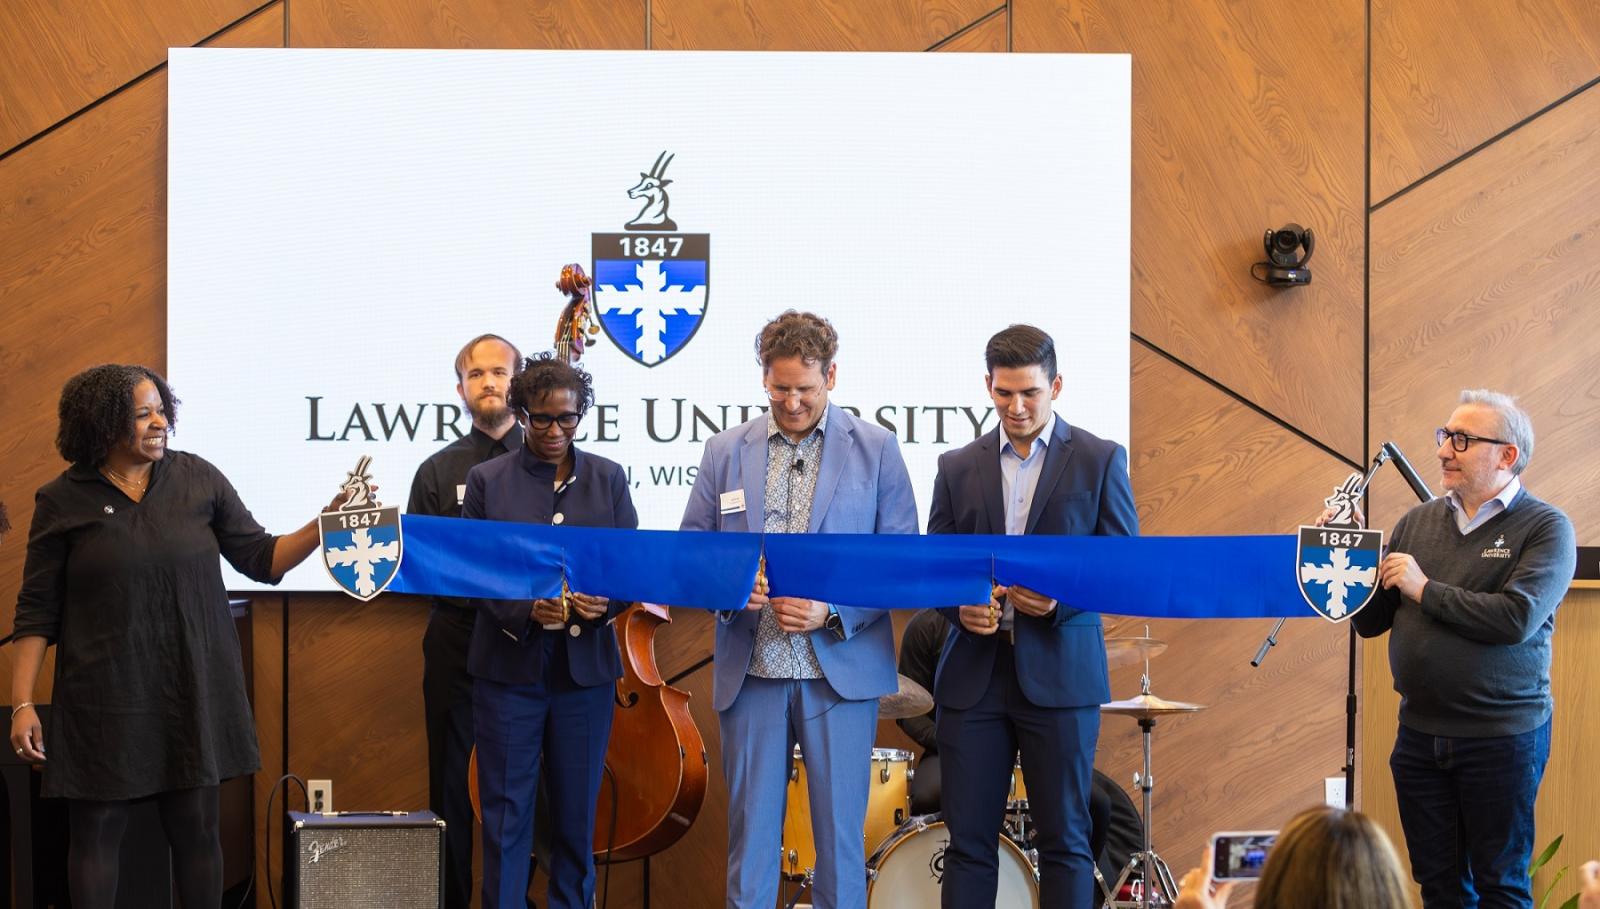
(790, 669)
(1024, 671)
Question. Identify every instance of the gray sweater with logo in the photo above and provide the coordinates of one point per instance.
(1472, 660)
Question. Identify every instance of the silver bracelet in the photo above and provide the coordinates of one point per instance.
(19, 707)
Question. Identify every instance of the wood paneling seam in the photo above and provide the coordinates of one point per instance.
(131, 83)
(1366, 272)
(699, 664)
(1247, 402)
(1481, 145)
(967, 28)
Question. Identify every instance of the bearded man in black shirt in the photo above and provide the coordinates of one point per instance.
(484, 369)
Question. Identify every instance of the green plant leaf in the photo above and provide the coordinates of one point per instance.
(1545, 856)
(1571, 903)
(1551, 889)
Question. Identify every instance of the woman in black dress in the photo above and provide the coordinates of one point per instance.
(122, 574)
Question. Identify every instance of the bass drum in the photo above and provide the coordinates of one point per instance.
(908, 869)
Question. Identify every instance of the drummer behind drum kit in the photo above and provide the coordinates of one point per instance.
(907, 867)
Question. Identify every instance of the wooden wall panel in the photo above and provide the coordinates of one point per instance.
(1486, 276)
(56, 58)
(1446, 77)
(1204, 463)
(824, 25)
(989, 35)
(467, 24)
(1245, 116)
(355, 699)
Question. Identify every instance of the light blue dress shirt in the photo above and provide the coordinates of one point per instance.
(1485, 511)
(1019, 479)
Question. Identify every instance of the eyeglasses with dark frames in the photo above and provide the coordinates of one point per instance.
(1460, 440)
(542, 421)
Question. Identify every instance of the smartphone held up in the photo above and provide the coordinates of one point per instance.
(1240, 855)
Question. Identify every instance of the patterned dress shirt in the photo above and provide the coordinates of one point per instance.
(792, 469)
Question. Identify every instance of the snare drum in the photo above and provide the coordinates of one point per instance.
(908, 870)
(888, 805)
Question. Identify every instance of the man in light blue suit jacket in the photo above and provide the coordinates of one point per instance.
(1024, 672)
(791, 670)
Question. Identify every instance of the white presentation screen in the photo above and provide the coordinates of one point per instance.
(340, 222)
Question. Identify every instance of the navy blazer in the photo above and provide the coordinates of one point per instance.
(1083, 489)
(862, 487)
(507, 645)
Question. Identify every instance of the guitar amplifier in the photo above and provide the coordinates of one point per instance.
(387, 860)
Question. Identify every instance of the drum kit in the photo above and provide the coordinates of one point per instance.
(907, 865)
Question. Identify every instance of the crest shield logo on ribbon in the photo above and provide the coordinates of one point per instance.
(361, 542)
(1337, 569)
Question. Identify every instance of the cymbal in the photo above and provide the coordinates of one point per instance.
(911, 700)
(1148, 706)
(1131, 651)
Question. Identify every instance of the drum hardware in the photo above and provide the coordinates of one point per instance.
(799, 890)
(1158, 888)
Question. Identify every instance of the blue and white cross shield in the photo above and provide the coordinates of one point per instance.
(1337, 569)
(650, 291)
(361, 549)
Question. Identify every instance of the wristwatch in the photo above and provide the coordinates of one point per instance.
(833, 622)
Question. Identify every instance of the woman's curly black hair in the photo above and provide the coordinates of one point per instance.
(96, 410)
(544, 373)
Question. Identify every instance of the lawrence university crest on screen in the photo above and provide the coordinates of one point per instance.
(650, 284)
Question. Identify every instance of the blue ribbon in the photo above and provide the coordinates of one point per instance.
(1237, 577)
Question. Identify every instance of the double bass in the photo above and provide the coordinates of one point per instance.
(656, 760)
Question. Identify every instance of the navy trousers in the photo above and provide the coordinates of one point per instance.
(553, 726)
(978, 747)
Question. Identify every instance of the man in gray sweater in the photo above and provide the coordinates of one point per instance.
(1469, 591)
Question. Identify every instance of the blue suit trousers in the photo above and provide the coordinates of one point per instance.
(562, 728)
(759, 732)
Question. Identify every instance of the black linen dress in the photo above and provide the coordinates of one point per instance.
(149, 690)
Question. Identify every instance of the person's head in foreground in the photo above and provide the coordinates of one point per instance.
(1325, 858)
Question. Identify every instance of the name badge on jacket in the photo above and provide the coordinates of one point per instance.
(733, 502)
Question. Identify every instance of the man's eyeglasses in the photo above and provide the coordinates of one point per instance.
(1460, 440)
(804, 395)
(542, 421)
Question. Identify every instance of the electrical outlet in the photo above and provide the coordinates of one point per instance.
(320, 792)
(1333, 791)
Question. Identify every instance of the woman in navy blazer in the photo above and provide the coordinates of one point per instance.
(543, 671)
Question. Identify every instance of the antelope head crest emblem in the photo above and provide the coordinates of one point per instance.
(652, 188)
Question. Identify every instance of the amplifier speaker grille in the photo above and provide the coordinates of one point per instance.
(357, 862)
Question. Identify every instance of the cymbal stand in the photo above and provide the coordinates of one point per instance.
(1153, 869)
